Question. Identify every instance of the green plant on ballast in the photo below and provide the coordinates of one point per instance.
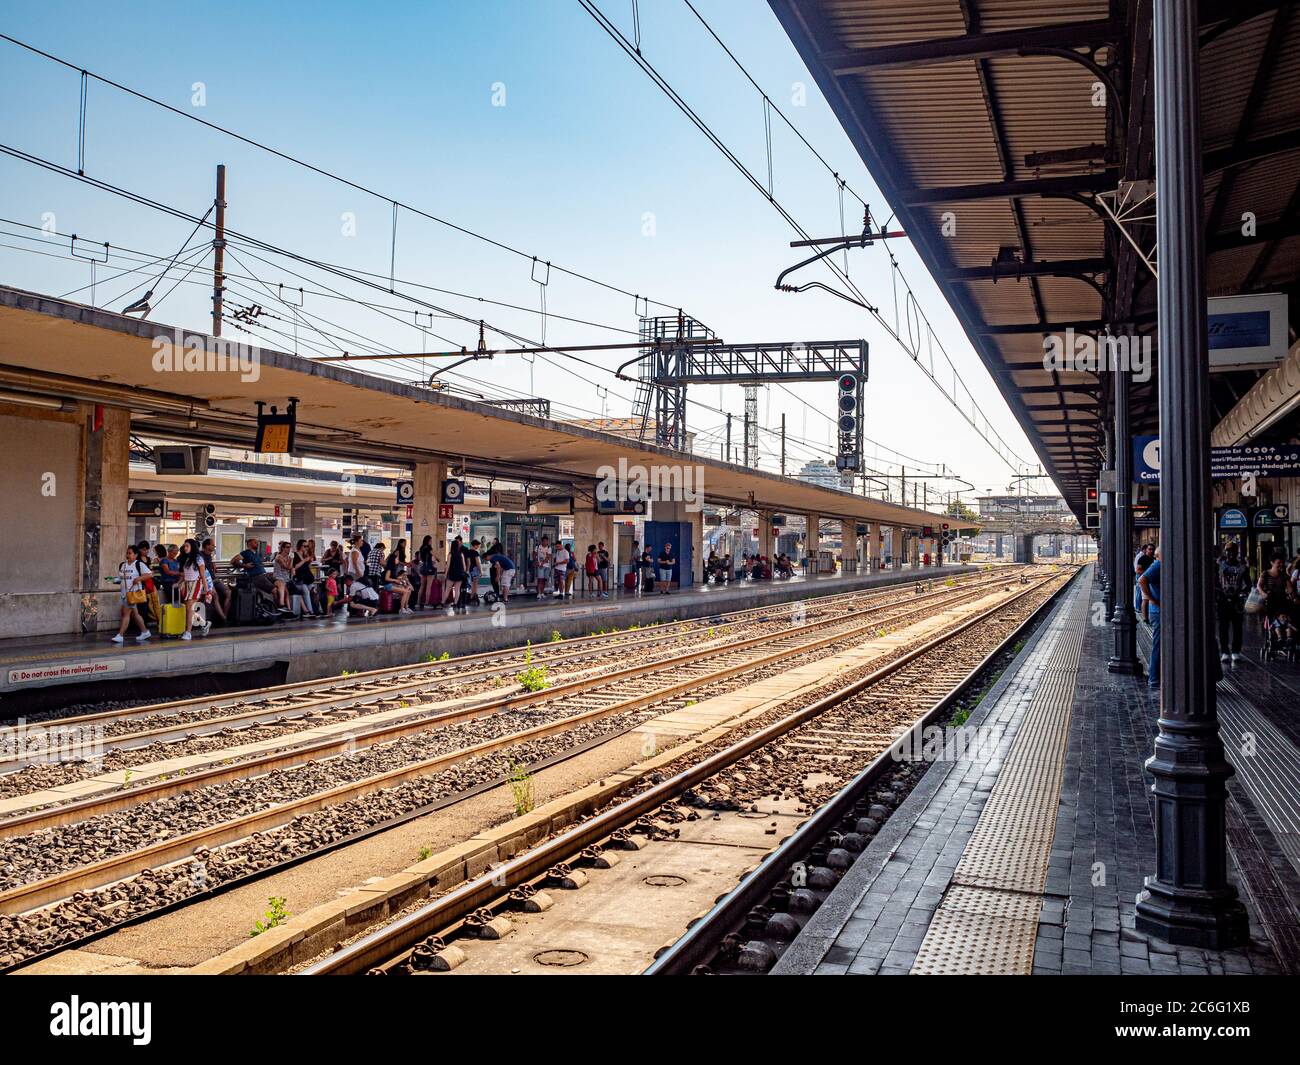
(521, 787)
(275, 916)
(533, 678)
(426, 852)
(431, 657)
(346, 673)
(555, 636)
(960, 717)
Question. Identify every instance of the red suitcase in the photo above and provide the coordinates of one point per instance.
(431, 592)
(389, 603)
(629, 581)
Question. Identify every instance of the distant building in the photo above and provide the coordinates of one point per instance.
(999, 507)
(822, 474)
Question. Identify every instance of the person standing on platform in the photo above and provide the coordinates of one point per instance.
(455, 573)
(1231, 589)
(570, 574)
(666, 563)
(602, 569)
(473, 570)
(562, 562)
(1149, 582)
(1145, 556)
(542, 565)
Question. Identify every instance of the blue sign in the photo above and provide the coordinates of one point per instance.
(1146, 459)
(1226, 463)
(1232, 518)
(1271, 516)
(405, 492)
(1245, 329)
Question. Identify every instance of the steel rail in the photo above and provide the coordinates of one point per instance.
(343, 696)
(384, 949)
(431, 672)
(117, 867)
(700, 941)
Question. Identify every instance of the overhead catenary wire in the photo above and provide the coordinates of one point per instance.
(1001, 448)
(321, 171)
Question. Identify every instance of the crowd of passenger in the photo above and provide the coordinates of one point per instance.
(181, 591)
(1272, 596)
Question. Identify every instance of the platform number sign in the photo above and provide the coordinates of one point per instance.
(453, 491)
(1092, 517)
(405, 492)
(275, 431)
(848, 421)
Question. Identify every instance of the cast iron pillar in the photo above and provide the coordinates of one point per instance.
(1108, 527)
(1124, 657)
(1189, 899)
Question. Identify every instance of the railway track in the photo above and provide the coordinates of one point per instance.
(134, 728)
(115, 830)
(342, 716)
(798, 757)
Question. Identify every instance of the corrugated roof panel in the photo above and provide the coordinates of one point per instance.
(1047, 104)
(936, 121)
(1234, 58)
(872, 23)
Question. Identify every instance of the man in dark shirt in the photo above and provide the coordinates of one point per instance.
(251, 564)
(1231, 588)
(666, 563)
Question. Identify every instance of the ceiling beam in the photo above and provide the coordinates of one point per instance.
(1040, 268)
(1091, 33)
(996, 190)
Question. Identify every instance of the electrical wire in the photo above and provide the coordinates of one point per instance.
(321, 171)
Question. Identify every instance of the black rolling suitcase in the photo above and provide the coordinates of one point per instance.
(648, 582)
(243, 606)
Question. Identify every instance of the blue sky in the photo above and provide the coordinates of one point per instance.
(587, 164)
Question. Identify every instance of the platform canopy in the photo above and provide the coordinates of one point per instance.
(995, 130)
(55, 348)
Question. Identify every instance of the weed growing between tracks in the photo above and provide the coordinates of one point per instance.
(275, 916)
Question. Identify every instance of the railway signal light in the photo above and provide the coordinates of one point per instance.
(848, 421)
(1092, 517)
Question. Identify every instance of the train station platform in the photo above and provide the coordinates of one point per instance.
(92, 667)
(1024, 849)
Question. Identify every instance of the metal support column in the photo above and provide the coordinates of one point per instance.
(1108, 527)
(1189, 899)
(1124, 657)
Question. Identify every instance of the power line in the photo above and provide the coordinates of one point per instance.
(321, 171)
(1001, 448)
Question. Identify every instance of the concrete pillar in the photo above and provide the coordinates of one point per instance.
(876, 548)
(428, 479)
(105, 491)
(812, 541)
(848, 546)
(766, 538)
(302, 522)
(896, 546)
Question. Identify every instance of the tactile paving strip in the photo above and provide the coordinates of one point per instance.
(988, 920)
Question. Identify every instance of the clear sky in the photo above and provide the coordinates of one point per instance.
(519, 119)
